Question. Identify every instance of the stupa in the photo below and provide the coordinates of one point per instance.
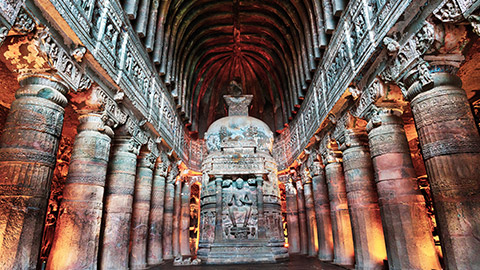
(241, 219)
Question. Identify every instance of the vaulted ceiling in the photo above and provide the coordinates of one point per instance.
(270, 47)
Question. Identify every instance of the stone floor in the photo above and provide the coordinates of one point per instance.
(295, 263)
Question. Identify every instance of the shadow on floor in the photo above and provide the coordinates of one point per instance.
(295, 263)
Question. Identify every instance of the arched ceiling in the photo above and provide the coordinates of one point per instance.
(270, 47)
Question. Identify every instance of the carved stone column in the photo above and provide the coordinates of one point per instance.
(141, 209)
(185, 219)
(310, 215)
(322, 212)
(260, 205)
(177, 208)
(407, 230)
(155, 250)
(302, 219)
(450, 146)
(168, 214)
(362, 198)
(341, 227)
(118, 202)
(76, 241)
(28, 148)
(292, 219)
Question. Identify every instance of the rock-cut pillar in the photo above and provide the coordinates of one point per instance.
(177, 208)
(28, 149)
(141, 210)
(311, 219)
(322, 212)
(118, 202)
(407, 229)
(155, 247)
(293, 231)
(450, 146)
(168, 215)
(185, 220)
(343, 249)
(362, 199)
(302, 218)
(76, 241)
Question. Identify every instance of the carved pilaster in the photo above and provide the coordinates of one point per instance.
(168, 213)
(141, 207)
(309, 211)
(322, 210)
(81, 208)
(120, 185)
(155, 250)
(293, 230)
(399, 198)
(450, 145)
(370, 251)
(28, 148)
(341, 225)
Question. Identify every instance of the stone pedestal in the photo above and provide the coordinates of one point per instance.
(155, 247)
(76, 241)
(185, 220)
(28, 149)
(302, 219)
(292, 219)
(177, 208)
(141, 210)
(322, 213)
(362, 198)
(311, 220)
(118, 203)
(407, 229)
(168, 215)
(341, 225)
(450, 146)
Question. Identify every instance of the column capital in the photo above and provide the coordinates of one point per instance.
(332, 154)
(163, 164)
(31, 52)
(355, 137)
(172, 175)
(384, 116)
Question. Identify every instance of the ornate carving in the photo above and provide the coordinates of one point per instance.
(24, 23)
(61, 61)
(448, 12)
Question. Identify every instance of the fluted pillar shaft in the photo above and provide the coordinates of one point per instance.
(450, 145)
(155, 247)
(341, 225)
(292, 219)
(407, 229)
(322, 213)
(28, 148)
(168, 215)
(177, 208)
(302, 219)
(120, 184)
(185, 220)
(362, 199)
(311, 219)
(76, 241)
(141, 210)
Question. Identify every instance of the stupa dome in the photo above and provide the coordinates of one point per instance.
(238, 129)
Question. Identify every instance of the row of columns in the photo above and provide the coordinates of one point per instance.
(367, 202)
(115, 198)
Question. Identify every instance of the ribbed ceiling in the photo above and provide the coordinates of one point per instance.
(269, 47)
